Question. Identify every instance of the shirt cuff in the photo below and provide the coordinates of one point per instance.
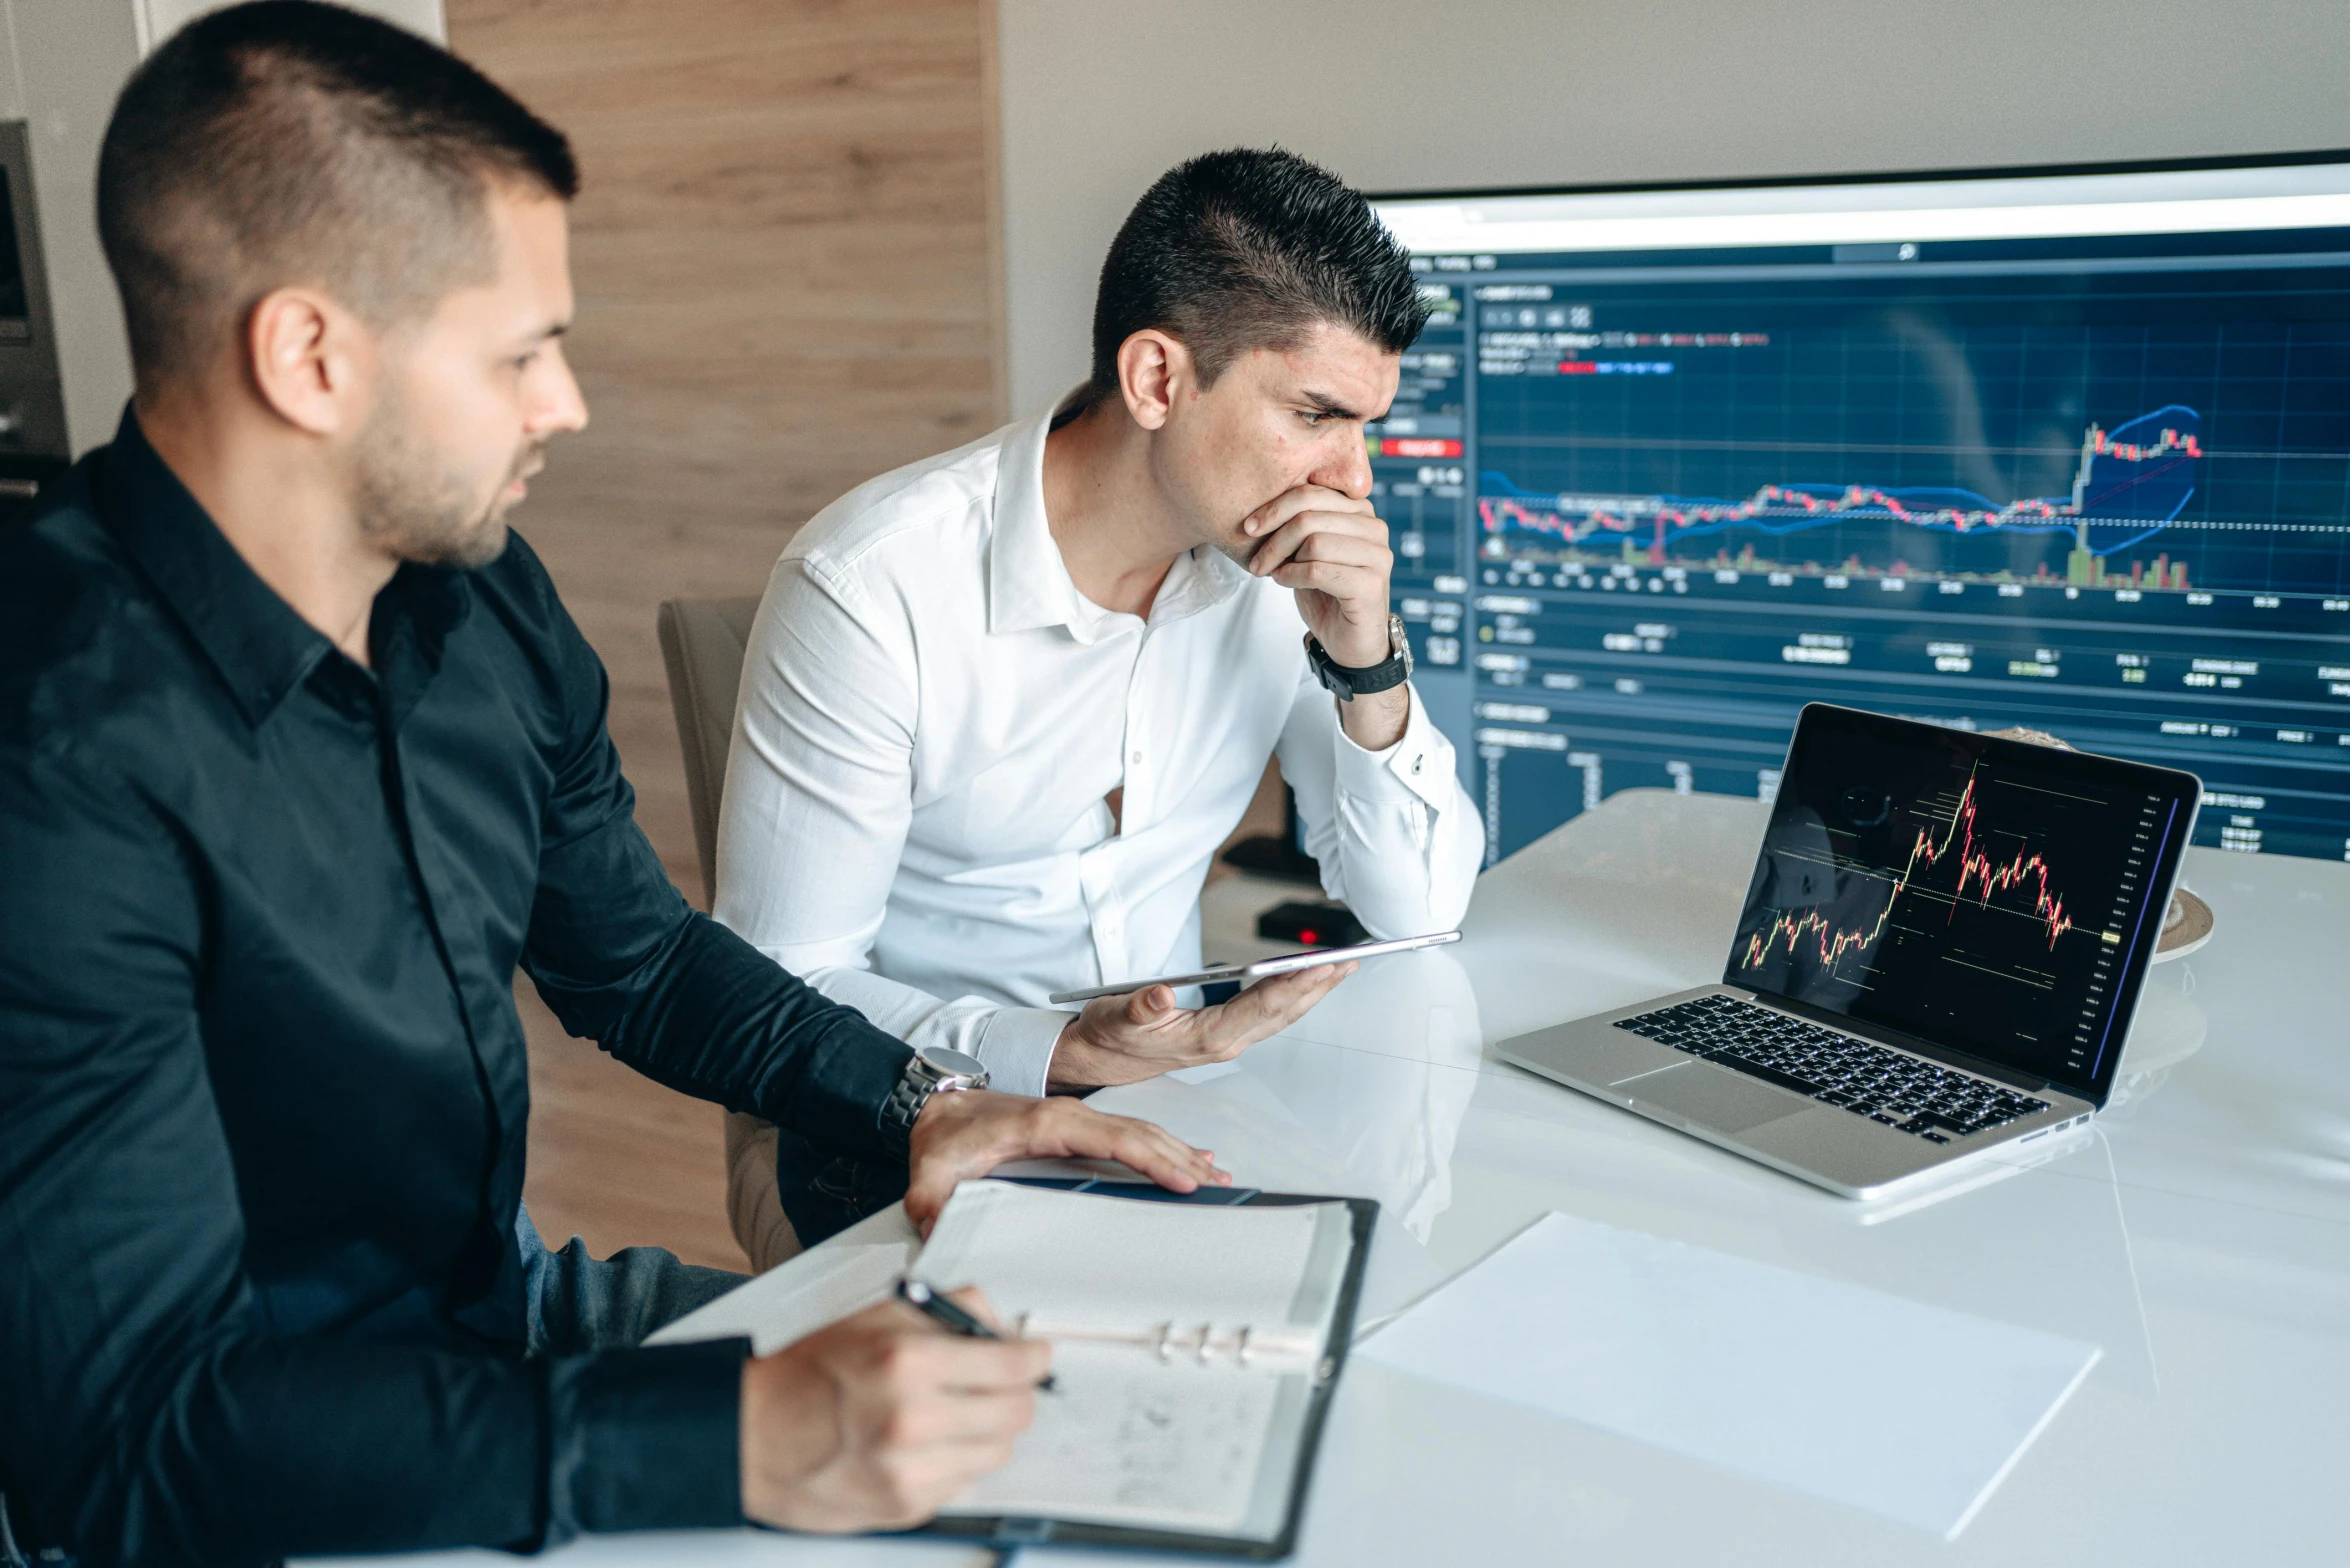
(1018, 1048)
(839, 1101)
(1417, 768)
(646, 1439)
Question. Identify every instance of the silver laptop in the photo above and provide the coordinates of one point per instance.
(1939, 957)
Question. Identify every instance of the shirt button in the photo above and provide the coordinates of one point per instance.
(1134, 756)
(1416, 761)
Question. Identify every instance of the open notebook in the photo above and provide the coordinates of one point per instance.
(1196, 1346)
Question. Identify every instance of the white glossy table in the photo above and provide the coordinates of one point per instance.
(2200, 1234)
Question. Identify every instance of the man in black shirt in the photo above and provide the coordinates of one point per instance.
(300, 757)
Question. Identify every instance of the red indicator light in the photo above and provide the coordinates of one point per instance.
(1310, 938)
(1418, 446)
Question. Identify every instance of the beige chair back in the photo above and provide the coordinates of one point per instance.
(702, 643)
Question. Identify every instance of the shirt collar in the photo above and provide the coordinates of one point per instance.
(1201, 577)
(256, 642)
(414, 617)
(1028, 584)
(261, 648)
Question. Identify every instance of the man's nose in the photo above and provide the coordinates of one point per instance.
(560, 405)
(1347, 469)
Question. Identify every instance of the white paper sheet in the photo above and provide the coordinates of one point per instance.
(1904, 1410)
(820, 1286)
(1111, 1262)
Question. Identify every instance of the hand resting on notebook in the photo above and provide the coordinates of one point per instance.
(965, 1135)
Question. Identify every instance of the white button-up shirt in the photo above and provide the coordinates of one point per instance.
(930, 720)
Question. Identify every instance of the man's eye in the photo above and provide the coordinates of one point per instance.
(1312, 416)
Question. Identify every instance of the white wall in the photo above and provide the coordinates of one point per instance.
(159, 19)
(1101, 96)
(65, 62)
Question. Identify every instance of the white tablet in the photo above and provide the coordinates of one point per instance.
(1287, 963)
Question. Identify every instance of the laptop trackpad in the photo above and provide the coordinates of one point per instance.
(1715, 1097)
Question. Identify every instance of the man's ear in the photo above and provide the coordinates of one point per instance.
(310, 359)
(1153, 371)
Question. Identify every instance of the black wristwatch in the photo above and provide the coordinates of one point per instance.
(1350, 684)
(934, 1069)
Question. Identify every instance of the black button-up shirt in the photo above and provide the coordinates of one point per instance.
(262, 1086)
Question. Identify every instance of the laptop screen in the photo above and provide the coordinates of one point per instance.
(1984, 895)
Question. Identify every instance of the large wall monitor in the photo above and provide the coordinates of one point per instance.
(2066, 449)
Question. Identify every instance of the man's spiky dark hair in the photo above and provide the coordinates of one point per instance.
(1246, 249)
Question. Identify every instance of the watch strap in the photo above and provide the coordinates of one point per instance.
(906, 1099)
(921, 1079)
(1348, 684)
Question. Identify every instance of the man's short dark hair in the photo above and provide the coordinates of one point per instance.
(1247, 249)
(292, 143)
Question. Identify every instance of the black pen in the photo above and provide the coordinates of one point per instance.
(936, 1306)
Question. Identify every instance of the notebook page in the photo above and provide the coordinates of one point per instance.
(1113, 1263)
(1127, 1439)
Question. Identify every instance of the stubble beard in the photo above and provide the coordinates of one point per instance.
(421, 511)
(1226, 539)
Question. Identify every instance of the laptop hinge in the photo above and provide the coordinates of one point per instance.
(1907, 1042)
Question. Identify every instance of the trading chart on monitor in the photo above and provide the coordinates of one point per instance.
(2070, 452)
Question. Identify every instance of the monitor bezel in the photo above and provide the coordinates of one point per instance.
(1822, 719)
(2019, 171)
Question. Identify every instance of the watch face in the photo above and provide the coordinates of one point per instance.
(951, 1063)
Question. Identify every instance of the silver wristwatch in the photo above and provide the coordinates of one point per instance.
(934, 1069)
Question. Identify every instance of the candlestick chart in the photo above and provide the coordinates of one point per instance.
(2129, 487)
(1947, 885)
(1954, 835)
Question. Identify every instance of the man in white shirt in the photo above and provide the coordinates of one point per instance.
(1000, 707)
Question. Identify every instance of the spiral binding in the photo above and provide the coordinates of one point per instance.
(1244, 1344)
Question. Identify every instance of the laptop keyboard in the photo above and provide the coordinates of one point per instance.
(1905, 1093)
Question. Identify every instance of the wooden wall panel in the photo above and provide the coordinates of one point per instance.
(784, 257)
(783, 260)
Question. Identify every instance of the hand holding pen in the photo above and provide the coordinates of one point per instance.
(879, 1420)
(948, 1314)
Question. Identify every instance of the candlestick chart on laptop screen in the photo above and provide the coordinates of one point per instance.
(1998, 897)
(2069, 451)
